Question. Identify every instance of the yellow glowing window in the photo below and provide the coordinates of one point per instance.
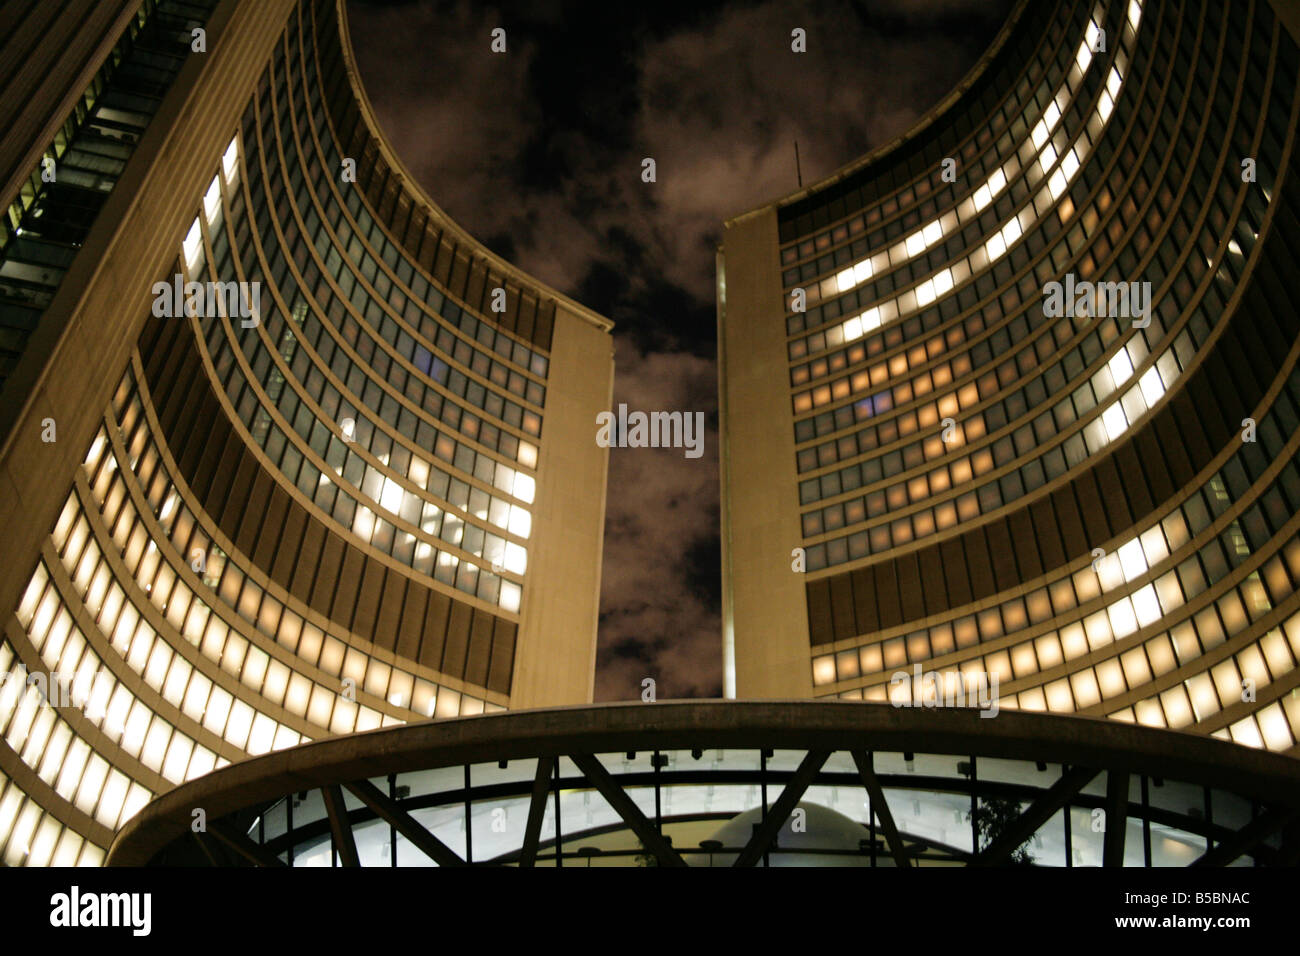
(1023, 661)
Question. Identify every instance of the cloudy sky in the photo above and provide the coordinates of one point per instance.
(538, 153)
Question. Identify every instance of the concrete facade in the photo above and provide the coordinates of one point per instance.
(379, 502)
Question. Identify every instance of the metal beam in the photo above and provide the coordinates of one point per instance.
(623, 805)
(1199, 760)
(1253, 833)
(241, 844)
(536, 810)
(1112, 851)
(340, 825)
(880, 806)
(202, 840)
(781, 810)
(389, 811)
(1037, 813)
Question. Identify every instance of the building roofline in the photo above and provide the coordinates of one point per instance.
(437, 214)
(931, 116)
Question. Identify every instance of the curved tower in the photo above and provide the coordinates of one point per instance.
(1015, 398)
(286, 453)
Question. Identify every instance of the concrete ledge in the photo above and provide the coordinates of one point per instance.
(614, 728)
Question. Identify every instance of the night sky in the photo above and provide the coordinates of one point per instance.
(537, 153)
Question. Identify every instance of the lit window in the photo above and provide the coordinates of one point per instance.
(1057, 184)
(1047, 158)
(1152, 387)
(1039, 134)
(521, 522)
(1011, 231)
(392, 496)
(1146, 606)
(524, 487)
(1132, 560)
(1114, 422)
(995, 247)
(1105, 105)
(363, 523)
(212, 200)
(193, 246)
(942, 281)
(230, 161)
(510, 593)
(516, 558)
(1084, 56)
(997, 181)
(1121, 367)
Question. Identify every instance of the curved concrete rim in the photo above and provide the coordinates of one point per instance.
(933, 115)
(417, 192)
(712, 724)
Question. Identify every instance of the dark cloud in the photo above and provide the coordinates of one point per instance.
(538, 153)
(659, 593)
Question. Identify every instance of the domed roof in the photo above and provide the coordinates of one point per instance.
(811, 827)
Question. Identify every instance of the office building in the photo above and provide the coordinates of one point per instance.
(286, 453)
(932, 460)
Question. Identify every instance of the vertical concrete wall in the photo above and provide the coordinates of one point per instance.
(764, 611)
(556, 656)
(75, 358)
